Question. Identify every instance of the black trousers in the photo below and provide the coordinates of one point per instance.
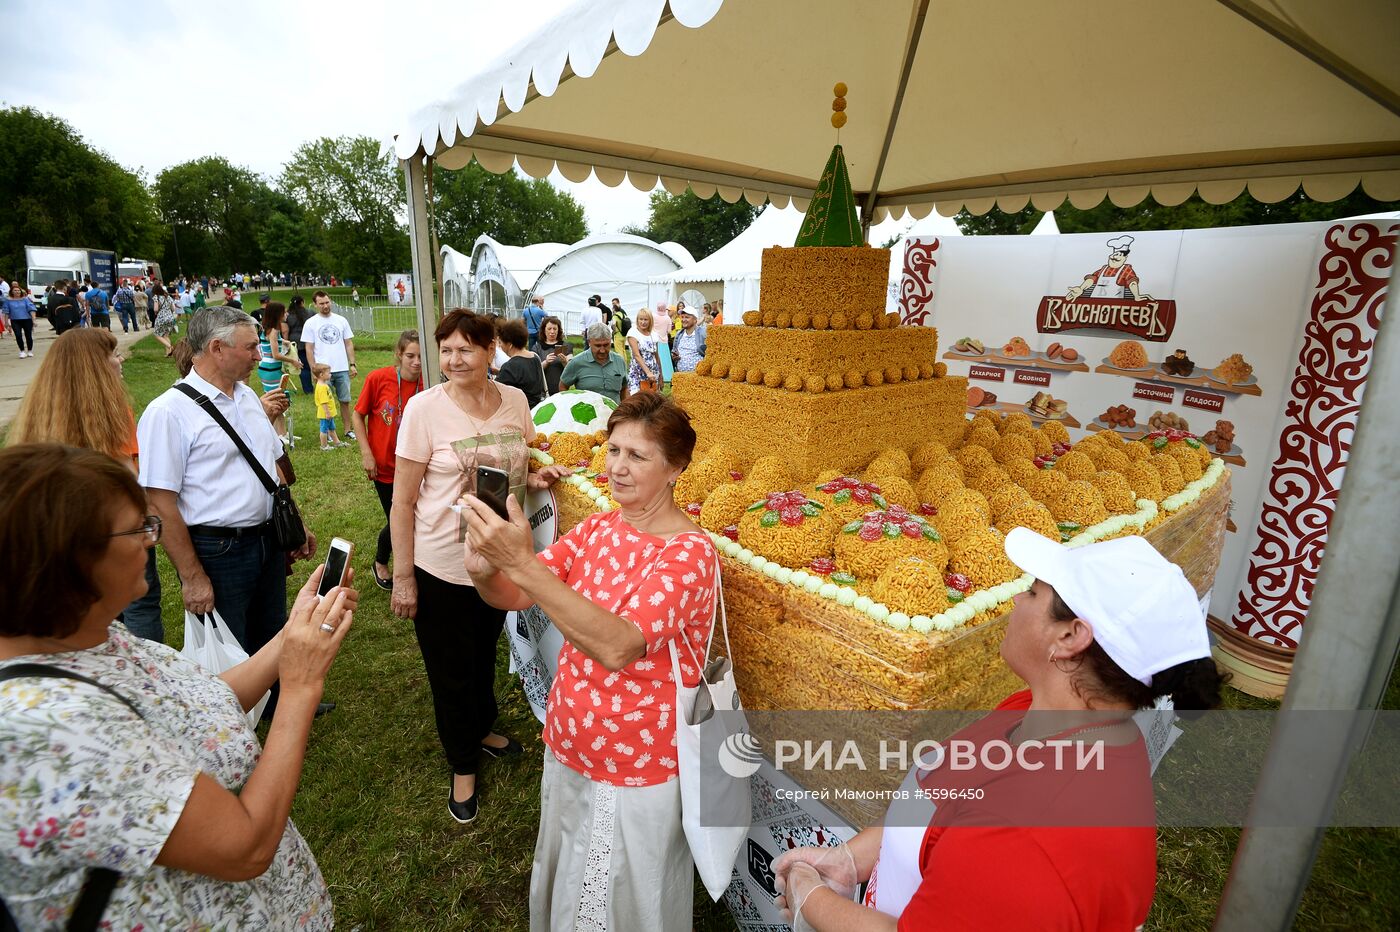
(457, 634)
(24, 333)
(385, 549)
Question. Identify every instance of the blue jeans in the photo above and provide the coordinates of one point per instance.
(249, 577)
(128, 316)
(142, 617)
(307, 386)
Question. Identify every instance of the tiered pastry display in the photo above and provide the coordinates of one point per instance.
(861, 517)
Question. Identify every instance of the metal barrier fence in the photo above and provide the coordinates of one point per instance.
(374, 317)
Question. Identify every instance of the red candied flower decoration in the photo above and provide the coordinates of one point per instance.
(959, 582)
(544, 446)
(731, 531)
(736, 475)
(822, 566)
(926, 509)
(870, 533)
(693, 509)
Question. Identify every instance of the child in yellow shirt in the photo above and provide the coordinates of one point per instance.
(325, 407)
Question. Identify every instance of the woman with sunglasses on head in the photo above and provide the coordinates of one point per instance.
(86, 364)
(122, 759)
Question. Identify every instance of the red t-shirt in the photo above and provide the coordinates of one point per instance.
(381, 404)
(981, 874)
(620, 728)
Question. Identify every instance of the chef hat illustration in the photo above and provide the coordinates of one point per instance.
(1123, 244)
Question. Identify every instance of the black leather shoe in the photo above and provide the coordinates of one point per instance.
(386, 584)
(323, 707)
(463, 812)
(512, 747)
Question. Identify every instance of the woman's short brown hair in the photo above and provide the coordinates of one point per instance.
(46, 515)
(665, 422)
(545, 322)
(513, 333)
(474, 328)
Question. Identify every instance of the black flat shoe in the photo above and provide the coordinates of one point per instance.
(511, 748)
(463, 812)
(323, 707)
(385, 584)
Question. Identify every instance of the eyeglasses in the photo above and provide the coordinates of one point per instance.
(151, 527)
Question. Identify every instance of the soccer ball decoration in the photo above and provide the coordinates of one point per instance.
(575, 411)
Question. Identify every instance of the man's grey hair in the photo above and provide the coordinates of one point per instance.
(598, 332)
(216, 323)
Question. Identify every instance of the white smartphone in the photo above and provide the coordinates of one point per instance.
(337, 566)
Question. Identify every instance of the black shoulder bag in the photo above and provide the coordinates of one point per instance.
(97, 889)
(288, 532)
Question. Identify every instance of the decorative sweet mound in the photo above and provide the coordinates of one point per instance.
(974, 459)
(866, 546)
(1188, 460)
(575, 411)
(887, 467)
(840, 283)
(847, 498)
(1033, 516)
(1017, 423)
(769, 473)
(1020, 471)
(1077, 506)
(1007, 499)
(925, 455)
(989, 480)
(569, 449)
(1013, 446)
(725, 506)
(912, 585)
(808, 353)
(1076, 465)
(938, 482)
(787, 528)
(1135, 450)
(1170, 472)
(899, 492)
(1145, 481)
(1128, 355)
(1048, 484)
(699, 480)
(981, 557)
(1055, 432)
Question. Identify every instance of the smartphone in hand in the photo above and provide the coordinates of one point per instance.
(492, 487)
(337, 566)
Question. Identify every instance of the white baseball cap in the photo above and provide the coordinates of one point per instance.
(1144, 612)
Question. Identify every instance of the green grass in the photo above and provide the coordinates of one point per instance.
(372, 798)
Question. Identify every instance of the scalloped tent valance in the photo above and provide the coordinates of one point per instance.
(951, 104)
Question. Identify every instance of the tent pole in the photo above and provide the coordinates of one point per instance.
(916, 29)
(420, 246)
(1347, 652)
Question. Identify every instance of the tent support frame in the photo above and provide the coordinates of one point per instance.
(1315, 52)
(420, 245)
(911, 48)
(1347, 652)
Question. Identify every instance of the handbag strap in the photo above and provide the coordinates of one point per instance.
(724, 622)
(203, 401)
(97, 888)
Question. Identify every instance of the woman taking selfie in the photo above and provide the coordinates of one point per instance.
(554, 352)
(124, 761)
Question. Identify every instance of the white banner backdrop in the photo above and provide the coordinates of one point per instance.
(1260, 332)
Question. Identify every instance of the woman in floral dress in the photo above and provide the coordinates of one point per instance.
(118, 755)
(645, 365)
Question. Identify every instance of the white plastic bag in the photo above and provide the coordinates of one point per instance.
(716, 805)
(210, 643)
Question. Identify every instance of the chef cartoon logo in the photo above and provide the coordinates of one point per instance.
(1109, 301)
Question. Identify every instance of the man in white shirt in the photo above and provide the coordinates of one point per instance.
(592, 315)
(214, 509)
(330, 340)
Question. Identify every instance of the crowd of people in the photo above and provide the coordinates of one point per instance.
(146, 791)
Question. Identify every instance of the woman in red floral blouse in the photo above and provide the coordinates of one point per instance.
(621, 587)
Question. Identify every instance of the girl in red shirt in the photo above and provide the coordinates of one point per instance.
(376, 417)
(1105, 630)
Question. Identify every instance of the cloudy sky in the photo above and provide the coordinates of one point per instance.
(252, 81)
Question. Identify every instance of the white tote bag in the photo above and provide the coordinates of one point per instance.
(707, 716)
(210, 643)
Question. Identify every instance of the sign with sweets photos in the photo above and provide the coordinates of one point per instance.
(1256, 340)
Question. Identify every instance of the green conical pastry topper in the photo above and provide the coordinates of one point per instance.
(831, 217)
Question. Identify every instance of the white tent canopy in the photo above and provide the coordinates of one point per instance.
(504, 278)
(951, 104)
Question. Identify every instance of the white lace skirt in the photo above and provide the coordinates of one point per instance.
(609, 858)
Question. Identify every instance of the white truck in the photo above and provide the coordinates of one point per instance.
(48, 264)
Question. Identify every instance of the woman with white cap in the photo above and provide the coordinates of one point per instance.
(1043, 843)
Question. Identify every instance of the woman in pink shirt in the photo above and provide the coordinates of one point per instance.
(623, 586)
(445, 432)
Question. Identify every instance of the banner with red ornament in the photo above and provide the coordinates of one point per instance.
(1254, 340)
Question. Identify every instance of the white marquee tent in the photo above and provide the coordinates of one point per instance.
(1077, 100)
(503, 278)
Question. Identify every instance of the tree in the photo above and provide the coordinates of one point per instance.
(702, 226)
(60, 191)
(356, 197)
(508, 208)
(211, 196)
(1191, 214)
